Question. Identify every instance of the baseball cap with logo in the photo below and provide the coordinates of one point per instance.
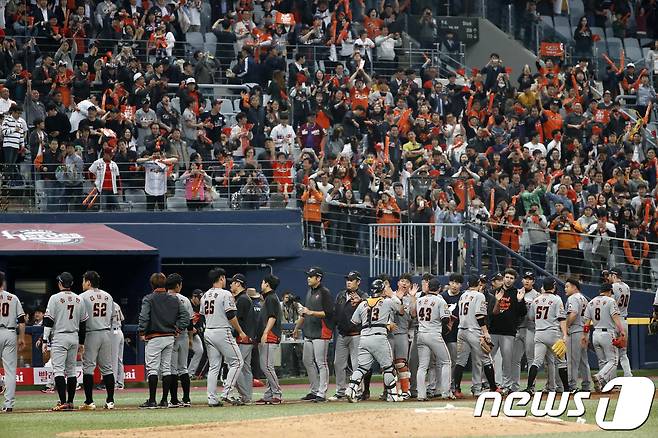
(353, 275)
(190, 81)
(497, 276)
(315, 272)
(239, 278)
(529, 274)
(615, 271)
(66, 279)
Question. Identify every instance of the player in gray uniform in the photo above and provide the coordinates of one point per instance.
(547, 310)
(434, 321)
(117, 346)
(524, 342)
(415, 293)
(11, 316)
(473, 319)
(375, 316)
(218, 308)
(248, 321)
(622, 294)
(181, 350)
(98, 341)
(161, 318)
(64, 334)
(399, 338)
(577, 362)
(603, 314)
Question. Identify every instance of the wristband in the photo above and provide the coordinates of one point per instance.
(586, 328)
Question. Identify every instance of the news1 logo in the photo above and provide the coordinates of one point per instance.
(632, 409)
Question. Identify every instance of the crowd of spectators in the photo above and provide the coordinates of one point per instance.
(540, 157)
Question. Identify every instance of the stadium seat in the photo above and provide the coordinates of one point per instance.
(211, 43)
(598, 31)
(561, 21)
(175, 103)
(547, 26)
(195, 40)
(576, 10)
(614, 48)
(564, 33)
(227, 107)
(634, 54)
(631, 42)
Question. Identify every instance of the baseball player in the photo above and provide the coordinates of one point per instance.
(315, 321)
(413, 348)
(269, 333)
(507, 312)
(375, 316)
(603, 314)
(473, 333)
(181, 350)
(117, 346)
(347, 339)
(11, 316)
(622, 294)
(162, 316)
(64, 334)
(577, 363)
(197, 342)
(524, 342)
(434, 321)
(399, 337)
(219, 310)
(548, 313)
(98, 340)
(451, 296)
(247, 319)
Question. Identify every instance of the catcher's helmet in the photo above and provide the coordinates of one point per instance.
(377, 287)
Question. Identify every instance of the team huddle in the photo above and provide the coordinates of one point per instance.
(421, 336)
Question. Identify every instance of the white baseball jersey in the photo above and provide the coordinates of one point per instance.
(528, 298)
(601, 311)
(431, 309)
(622, 294)
(215, 303)
(67, 310)
(576, 304)
(99, 306)
(117, 316)
(187, 305)
(547, 310)
(655, 299)
(10, 310)
(374, 314)
(472, 305)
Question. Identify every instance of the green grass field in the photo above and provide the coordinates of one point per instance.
(24, 421)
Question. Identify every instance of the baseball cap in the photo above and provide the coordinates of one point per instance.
(190, 81)
(549, 284)
(615, 271)
(66, 279)
(497, 276)
(434, 284)
(314, 272)
(606, 287)
(137, 76)
(353, 275)
(253, 293)
(217, 101)
(529, 274)
(604, 273)
(630, 64)
(239, 278)
(483, 278)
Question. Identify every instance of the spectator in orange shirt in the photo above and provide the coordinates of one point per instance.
(569, 256)
(312, 200)
(636, 256)
(551, 119)
(388, 212)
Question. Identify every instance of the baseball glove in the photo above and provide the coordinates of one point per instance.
(559, 348)
(619, 341)
(653, 326)
(486, 344)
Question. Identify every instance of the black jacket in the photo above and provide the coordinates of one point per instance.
(162, 314)
(511, 312)
(344, 309)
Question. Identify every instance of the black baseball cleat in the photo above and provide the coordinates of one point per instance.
(364, 396)
(148, 404)
(530, 390)
(232, 400)
(309, 397)
(319, 399)
(216, 405)
(163, 404)
(6, 410)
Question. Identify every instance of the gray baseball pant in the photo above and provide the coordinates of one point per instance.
(179, 355)
(347, 347)
(158, 355)
(623, 356)
(197, 354)
(117, 356)
(506, 346)
(577, 363)
(266, 356)
(221, 343)
(8, 357)
(433, 344)
(314, 357)
(245, 383)
(98, 351)
(63, 354)
(606, 353)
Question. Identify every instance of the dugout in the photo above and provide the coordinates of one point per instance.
(33, 254)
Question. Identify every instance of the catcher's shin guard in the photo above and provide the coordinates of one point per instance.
(404, 375)
(352, 391)
(390, 384)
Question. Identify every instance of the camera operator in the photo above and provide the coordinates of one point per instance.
(255, 191)
(291, 352)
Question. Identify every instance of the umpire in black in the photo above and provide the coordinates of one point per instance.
(161, 319)
(347, 339)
